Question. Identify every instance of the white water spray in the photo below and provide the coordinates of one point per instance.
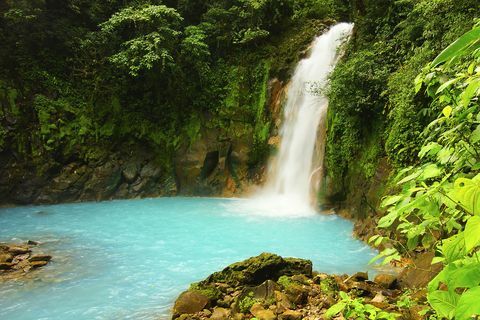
(289, 182)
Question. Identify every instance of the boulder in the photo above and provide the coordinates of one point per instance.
(261, 313)
(265, 291)
(387, 281)
(421, 272)
(38, 264)
(360, 276)
(15, 250)
(257, 270)
(190, 302)
(5, 265)
(220, 314)
(291, 315)
(283, 302)
(40, 257)
(5, 257)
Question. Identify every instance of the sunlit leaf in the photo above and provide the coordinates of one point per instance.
(444, 302)
(458, 47)
(468, 305)
(447, 111)
(472, 233)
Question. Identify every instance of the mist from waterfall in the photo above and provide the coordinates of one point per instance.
(289, 189)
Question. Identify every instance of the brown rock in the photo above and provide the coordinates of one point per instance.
(283, 303)
(261, 314)
(256, 307)
(6, 257)
(16, 250)
(5, 265)
(378, 298)
(264, 291)
(40, 257)
(387, 281)
(419, 274)
(220, 314)
(190, 302)
(291, 315)
(360, 276)
(38, 264)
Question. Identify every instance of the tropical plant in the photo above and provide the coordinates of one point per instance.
(439, 205)
(357, 309)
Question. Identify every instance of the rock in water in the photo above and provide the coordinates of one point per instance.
(256, 270)
(40, 257)
(190, 302)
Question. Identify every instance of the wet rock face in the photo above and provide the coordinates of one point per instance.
(117, 176)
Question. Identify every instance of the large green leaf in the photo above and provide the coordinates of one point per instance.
(458, 47)
(444, 302)
(472, 233)
(431, 171)
(335, 309)
(467, 192)
(468, 305)
(470, 92)
(467, 276)
(454, 248)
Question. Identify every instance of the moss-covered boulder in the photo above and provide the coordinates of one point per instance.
(256, 270)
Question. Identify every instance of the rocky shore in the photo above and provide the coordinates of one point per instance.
(269, 287)
(16, 260)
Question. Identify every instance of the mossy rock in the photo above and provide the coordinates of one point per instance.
(256, 270)
(209, 291)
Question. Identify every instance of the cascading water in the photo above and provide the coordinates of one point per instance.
(289, 182)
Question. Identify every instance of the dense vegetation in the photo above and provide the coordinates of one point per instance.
(375, 112)
(81, 78)
(395, 97)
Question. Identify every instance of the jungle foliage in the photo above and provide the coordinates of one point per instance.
(80, 78)
(438, 205)
(374, 110)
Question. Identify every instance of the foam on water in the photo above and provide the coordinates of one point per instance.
(130, 259)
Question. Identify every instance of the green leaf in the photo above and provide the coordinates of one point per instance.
(468, 305)
(472, 233)
(447, 111)
(444, 302)
(467, 192)
(454, 248)
(387, 220)
(431, 171)
(475, 137)
(447, 84)
(335, 309)
(388, 201)
(410, 177)
(470, 92)
(466, 276)
(431, 149)
(459, 46)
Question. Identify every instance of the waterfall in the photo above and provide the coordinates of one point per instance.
(288, 190)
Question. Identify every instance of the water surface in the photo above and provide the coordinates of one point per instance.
(130, 259)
